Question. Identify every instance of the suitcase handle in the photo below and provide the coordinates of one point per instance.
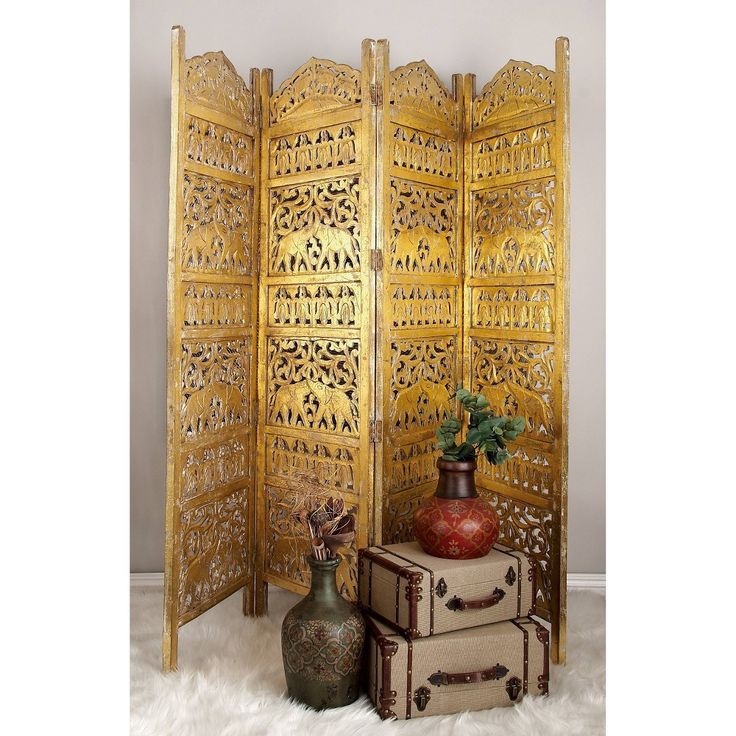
(462, 678)
(458, 604)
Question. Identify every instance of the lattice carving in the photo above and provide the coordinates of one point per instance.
(216, 226)
(207, 468)
(215, 385)
(314, 227)
(416, 86)
(313, 150)
(417, 150)
(311, 305)
(517, 379)
(317, 86)
(422, 381)
(513, 229)
(332, 466)
(513, 308)
(531, 529)
(287, 544)
(216, 305)
(214, 544)
(398, 517)
(518, 152)
(217, 146)
(517, 88)
(412, 465)
(313, 384)
(528, 469)
(423, 306)
(211, 80)
(423, 238)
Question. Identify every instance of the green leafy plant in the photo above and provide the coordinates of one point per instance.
(486, 433)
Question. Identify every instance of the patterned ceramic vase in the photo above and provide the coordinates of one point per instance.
(322, 643)
(456, 523)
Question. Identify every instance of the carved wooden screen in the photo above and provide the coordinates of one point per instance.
(419, 286)
(516, 161)
(316, 302)
(211, 340)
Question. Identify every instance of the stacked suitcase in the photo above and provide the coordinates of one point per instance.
(445, 636)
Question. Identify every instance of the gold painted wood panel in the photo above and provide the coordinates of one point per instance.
(419, 287)
(211, 339)
(316, 311)
(516, 303)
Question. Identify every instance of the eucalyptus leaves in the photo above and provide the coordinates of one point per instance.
(486, 432)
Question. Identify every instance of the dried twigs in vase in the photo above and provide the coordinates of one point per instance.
(328, 525)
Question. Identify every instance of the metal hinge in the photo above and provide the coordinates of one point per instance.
(376, 94)
(376, 431)
(376, 259)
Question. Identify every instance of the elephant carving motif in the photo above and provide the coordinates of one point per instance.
(536, 412)
(212, 407)
(312, 404)
(422, 249)
(211, 248)
(420, 405)
(331, 249)
(515, 250)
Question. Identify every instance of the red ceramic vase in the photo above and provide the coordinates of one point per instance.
(456, 523)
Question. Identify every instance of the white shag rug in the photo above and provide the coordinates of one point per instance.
(230, 681)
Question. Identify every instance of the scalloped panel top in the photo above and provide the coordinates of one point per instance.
(417, 86)
(211, 80)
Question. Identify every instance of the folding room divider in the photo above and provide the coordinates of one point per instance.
(343, 251)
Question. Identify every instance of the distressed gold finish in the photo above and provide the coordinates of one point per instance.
(516, 304)
(211, 340)
(343, 251)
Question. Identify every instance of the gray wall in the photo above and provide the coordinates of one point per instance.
(455, 37)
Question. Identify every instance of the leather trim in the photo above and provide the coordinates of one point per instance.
(525, 681)
(543, 679)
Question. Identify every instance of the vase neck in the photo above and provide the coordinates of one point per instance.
(324, 580)
(457, 479)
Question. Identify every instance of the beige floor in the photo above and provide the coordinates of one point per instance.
(230, 681)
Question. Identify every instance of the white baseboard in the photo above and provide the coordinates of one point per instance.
(575, 580)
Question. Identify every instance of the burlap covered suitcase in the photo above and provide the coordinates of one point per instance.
(422, 595)
(473, 669)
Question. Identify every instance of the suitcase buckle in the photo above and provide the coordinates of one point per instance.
(510, 576)
(513, 688)
(421, 697)
(441, 588)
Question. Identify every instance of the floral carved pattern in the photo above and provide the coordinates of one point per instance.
(213, 544)
(216, 305)
(517, 88)
(417, 86)
(513, 229)
(513, 308)
(211, 80)
(313, 384)
(287, 545)
(314, 227)
(216, 226)
(317, 86)
(517, 379)
(422, 381)
(423, 228)
(215, 386)
(313, 150)
(530, 529)
(206, 468)
(517, 152)
(331, 305)
(332, 466)
(222, 148)
(420, 151)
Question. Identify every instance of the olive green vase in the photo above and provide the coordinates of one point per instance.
(322, 643)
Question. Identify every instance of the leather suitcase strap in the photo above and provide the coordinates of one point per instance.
(462, 678)
(460, 604)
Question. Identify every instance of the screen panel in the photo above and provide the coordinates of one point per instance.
(516, 305)
(316, 300)
(419, 287)
(211, 339)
